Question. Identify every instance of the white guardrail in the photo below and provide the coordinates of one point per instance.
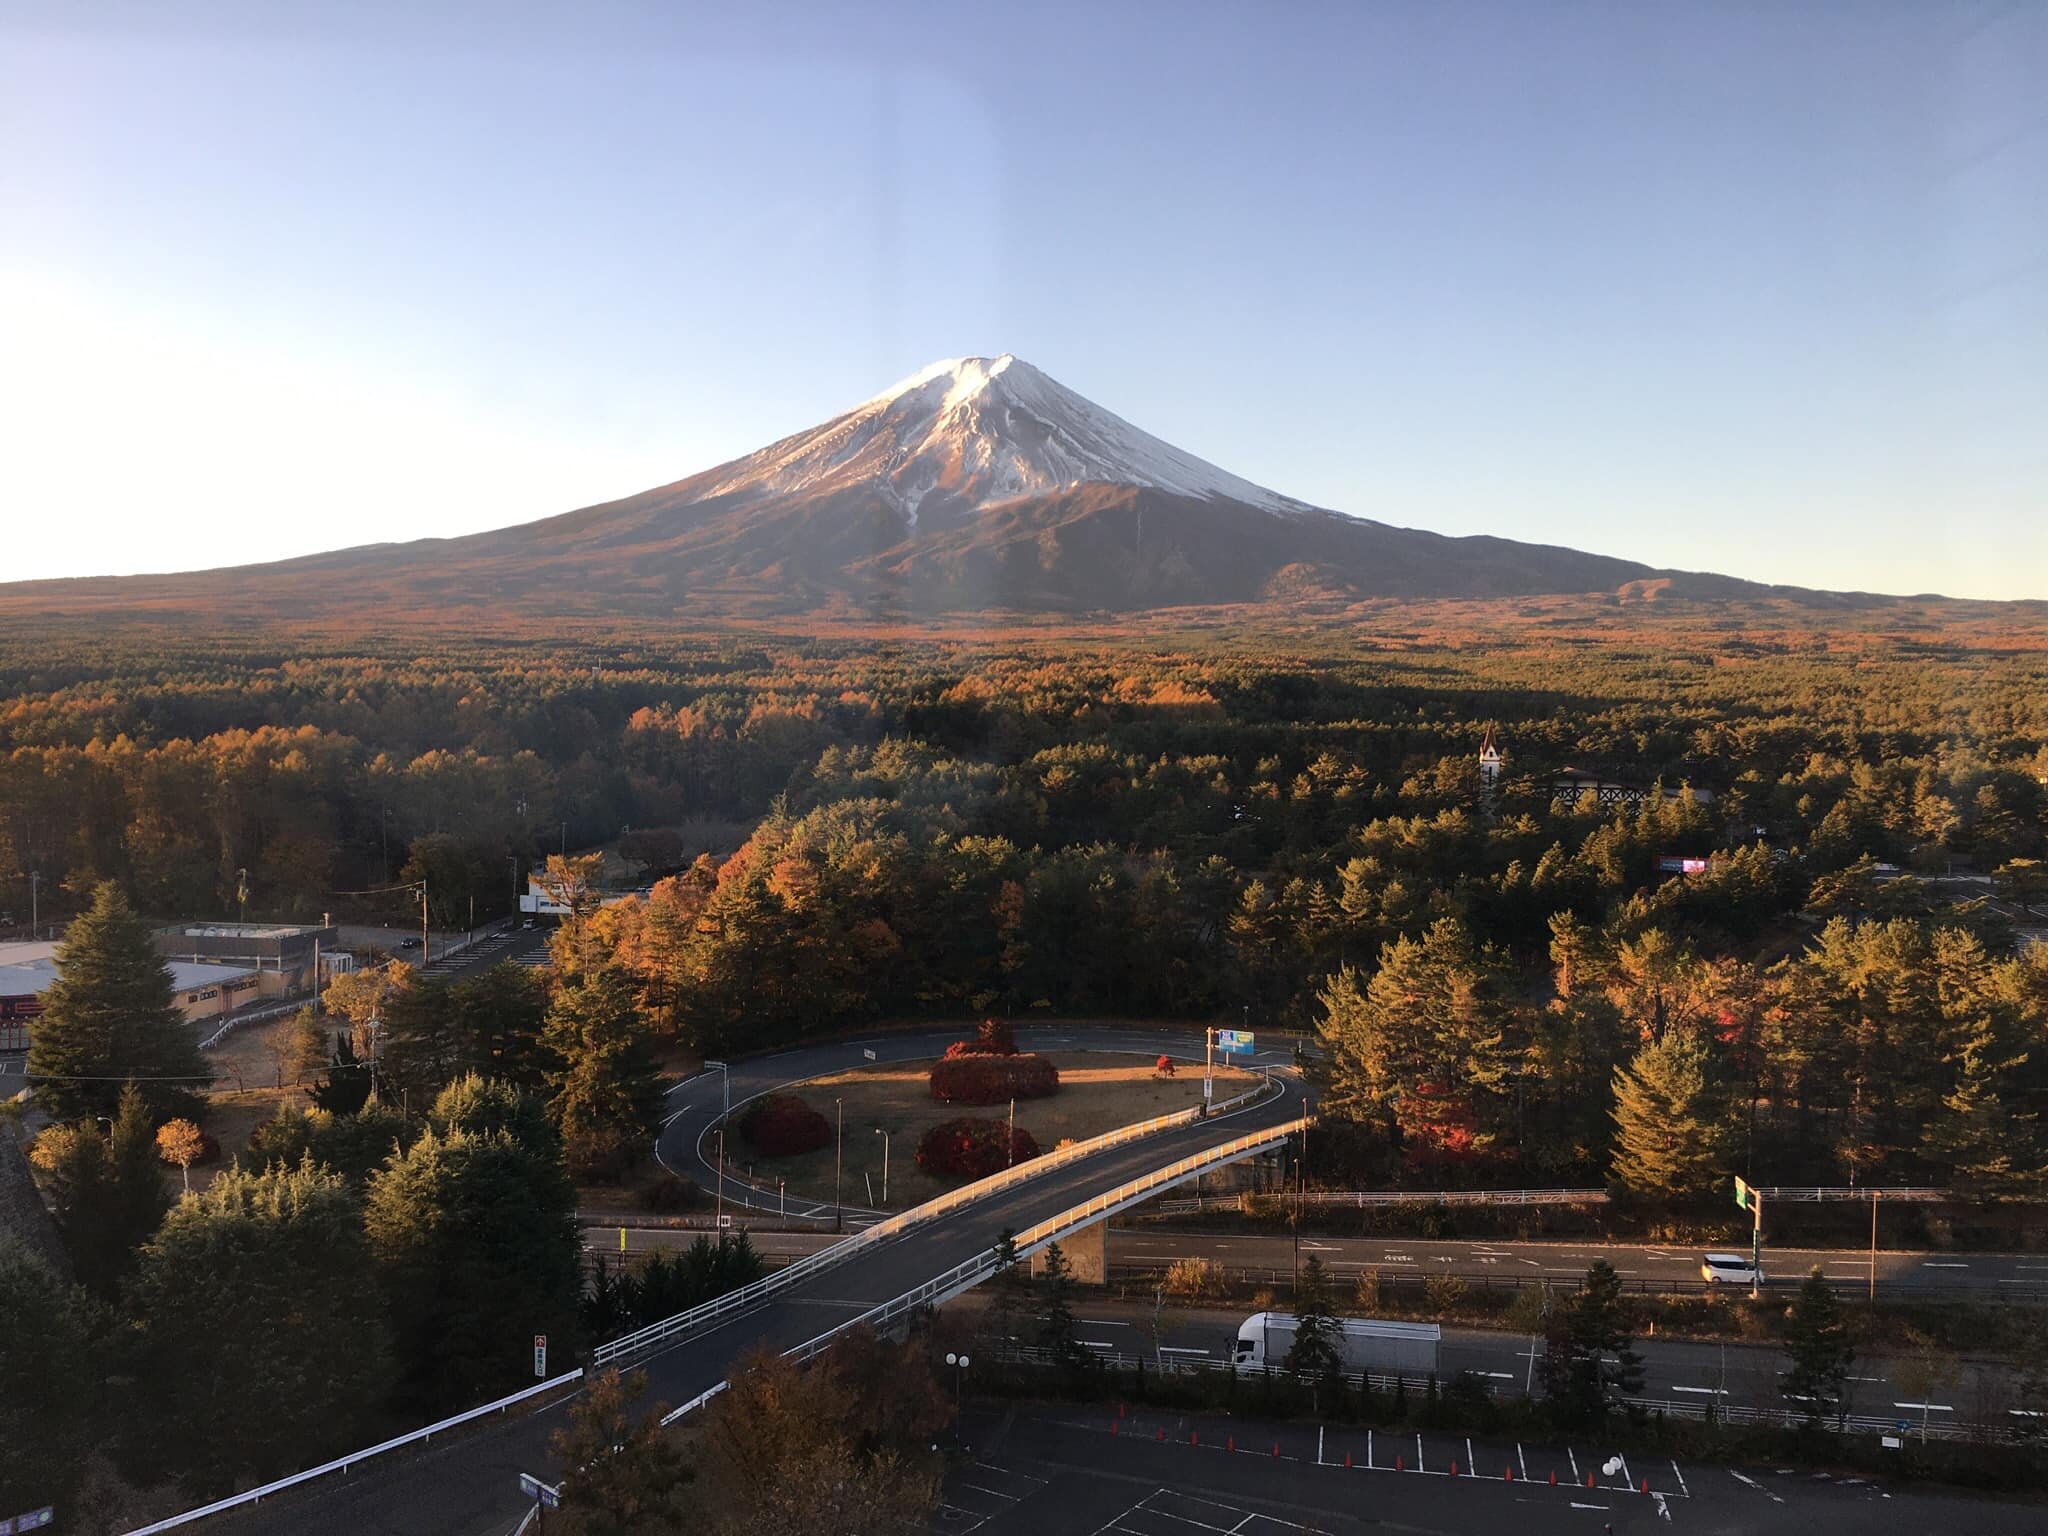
(1369, 1197)
(971, 1272)
(749, 1296)
(343, 1463)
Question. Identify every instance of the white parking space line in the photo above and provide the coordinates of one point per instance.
(1926, 1407)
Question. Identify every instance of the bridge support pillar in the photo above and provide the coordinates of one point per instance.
(1087, 1255)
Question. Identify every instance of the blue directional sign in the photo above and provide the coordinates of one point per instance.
(542, 1494)
(1234, 1042)
(34, 1520)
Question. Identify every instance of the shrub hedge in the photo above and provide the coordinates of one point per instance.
(782, 1125)
(980, 1079)
(994, 1038)
(972, 1148)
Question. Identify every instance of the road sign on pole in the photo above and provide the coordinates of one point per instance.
(541, 1493)
(34, 1520)
(1743, 1194)
(1234, 1042)
(540, 1355)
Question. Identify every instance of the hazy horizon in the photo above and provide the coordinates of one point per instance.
(1712, 289)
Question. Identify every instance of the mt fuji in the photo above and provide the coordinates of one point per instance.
(976, 485)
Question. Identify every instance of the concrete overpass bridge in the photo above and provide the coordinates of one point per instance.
(466, 1482)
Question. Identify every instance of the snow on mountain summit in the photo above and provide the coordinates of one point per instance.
(970, 432)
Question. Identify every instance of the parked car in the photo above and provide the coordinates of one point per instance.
(408, 943)
(1730, 1269)
(527, 924)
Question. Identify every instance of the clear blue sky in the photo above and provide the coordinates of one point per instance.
(1749, 287)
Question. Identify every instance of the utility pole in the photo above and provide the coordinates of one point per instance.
(1010, 1146)
(515, 886)
(426, 939)
(885, 1167)
(35, 904)
(838, 1166)
(1873, 1242)
(1208, 1068)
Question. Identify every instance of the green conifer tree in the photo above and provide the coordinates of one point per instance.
(110, 1016)
(1674, 1127)
(605, 1086)
(1817, 1343)
(1314, 1354)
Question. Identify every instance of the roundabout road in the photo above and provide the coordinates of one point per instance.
(688, 1147)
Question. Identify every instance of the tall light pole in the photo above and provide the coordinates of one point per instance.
(959, 1364)
(35, 903)
(1010, 1147)
(719, 1218)
(885, 1167)
(838, 1165)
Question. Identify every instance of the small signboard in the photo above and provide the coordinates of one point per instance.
(540, 1355)
(34, 1520)
(540, 1492)
(868, 1051)
(1234, 1042)
(724, 1221)
(1745, 1197)
(1891, 1442)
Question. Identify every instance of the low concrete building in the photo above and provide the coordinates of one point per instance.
(201, 991)
(280, 955)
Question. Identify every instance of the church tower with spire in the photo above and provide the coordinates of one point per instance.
(1491, 758)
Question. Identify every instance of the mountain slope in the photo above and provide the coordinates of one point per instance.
(975, 485)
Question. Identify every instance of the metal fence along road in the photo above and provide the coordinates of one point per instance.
(342, 1464)
(1360, 1198)
(1513, 1280)
(656, 1334)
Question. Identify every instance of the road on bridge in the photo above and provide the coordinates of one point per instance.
(469, 1486)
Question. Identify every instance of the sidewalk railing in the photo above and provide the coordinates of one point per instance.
(749, 1296)
(354, 1458)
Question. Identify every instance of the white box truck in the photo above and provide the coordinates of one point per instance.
(1365, 1343)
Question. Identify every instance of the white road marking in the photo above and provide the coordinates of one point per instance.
(1522, 1461)
(1626, 1477)
(1681, 1480)
(1418, 1450)
(1939, 1264)
(1577, 1505)
(1927, 1407)
(1575, 1462)
(1704, 1391)
(1759, 1487)
(1497, 1375)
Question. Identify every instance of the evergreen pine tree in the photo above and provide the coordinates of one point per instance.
(1674, 1128)
(50, 1372)
(1817, 1342)
(1314, 1353)
(1604, 1365)
(304, 1048)
(422, 1049)
(346, 1086)
(259, 1345)
(111, 1015)
(1010, 1296)
(605, 1087)
(1056, 1312)
(1988, 1145)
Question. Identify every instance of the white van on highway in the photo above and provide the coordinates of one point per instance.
(1730, 1269)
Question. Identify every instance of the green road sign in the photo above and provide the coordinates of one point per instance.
(1745, 1197)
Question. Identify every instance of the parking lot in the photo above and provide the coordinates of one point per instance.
(1084, 1471)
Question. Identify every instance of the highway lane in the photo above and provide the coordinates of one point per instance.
(1265, 1257)
(470, 1487)
(1881, 1384)
(694, 1105)
(1667, 1266)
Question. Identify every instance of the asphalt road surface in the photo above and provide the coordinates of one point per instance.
(469, 1486)
(1679, 1371)
(1058, 1471)
(2018, 1276)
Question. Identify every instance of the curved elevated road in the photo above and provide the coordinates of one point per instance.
(469, 1486)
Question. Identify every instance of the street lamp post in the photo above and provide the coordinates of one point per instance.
(885, 1167)
(959, 1364)
(719, 1215)
(838, 1166)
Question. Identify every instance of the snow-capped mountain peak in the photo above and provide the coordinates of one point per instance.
(971, 432)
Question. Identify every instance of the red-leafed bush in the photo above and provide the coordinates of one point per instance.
(968, 1148)
(782, 1125)
(994, 1038)
(1163, 1067)
(994, 1079)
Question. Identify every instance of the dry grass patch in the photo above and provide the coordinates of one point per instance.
(1099, 1091)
